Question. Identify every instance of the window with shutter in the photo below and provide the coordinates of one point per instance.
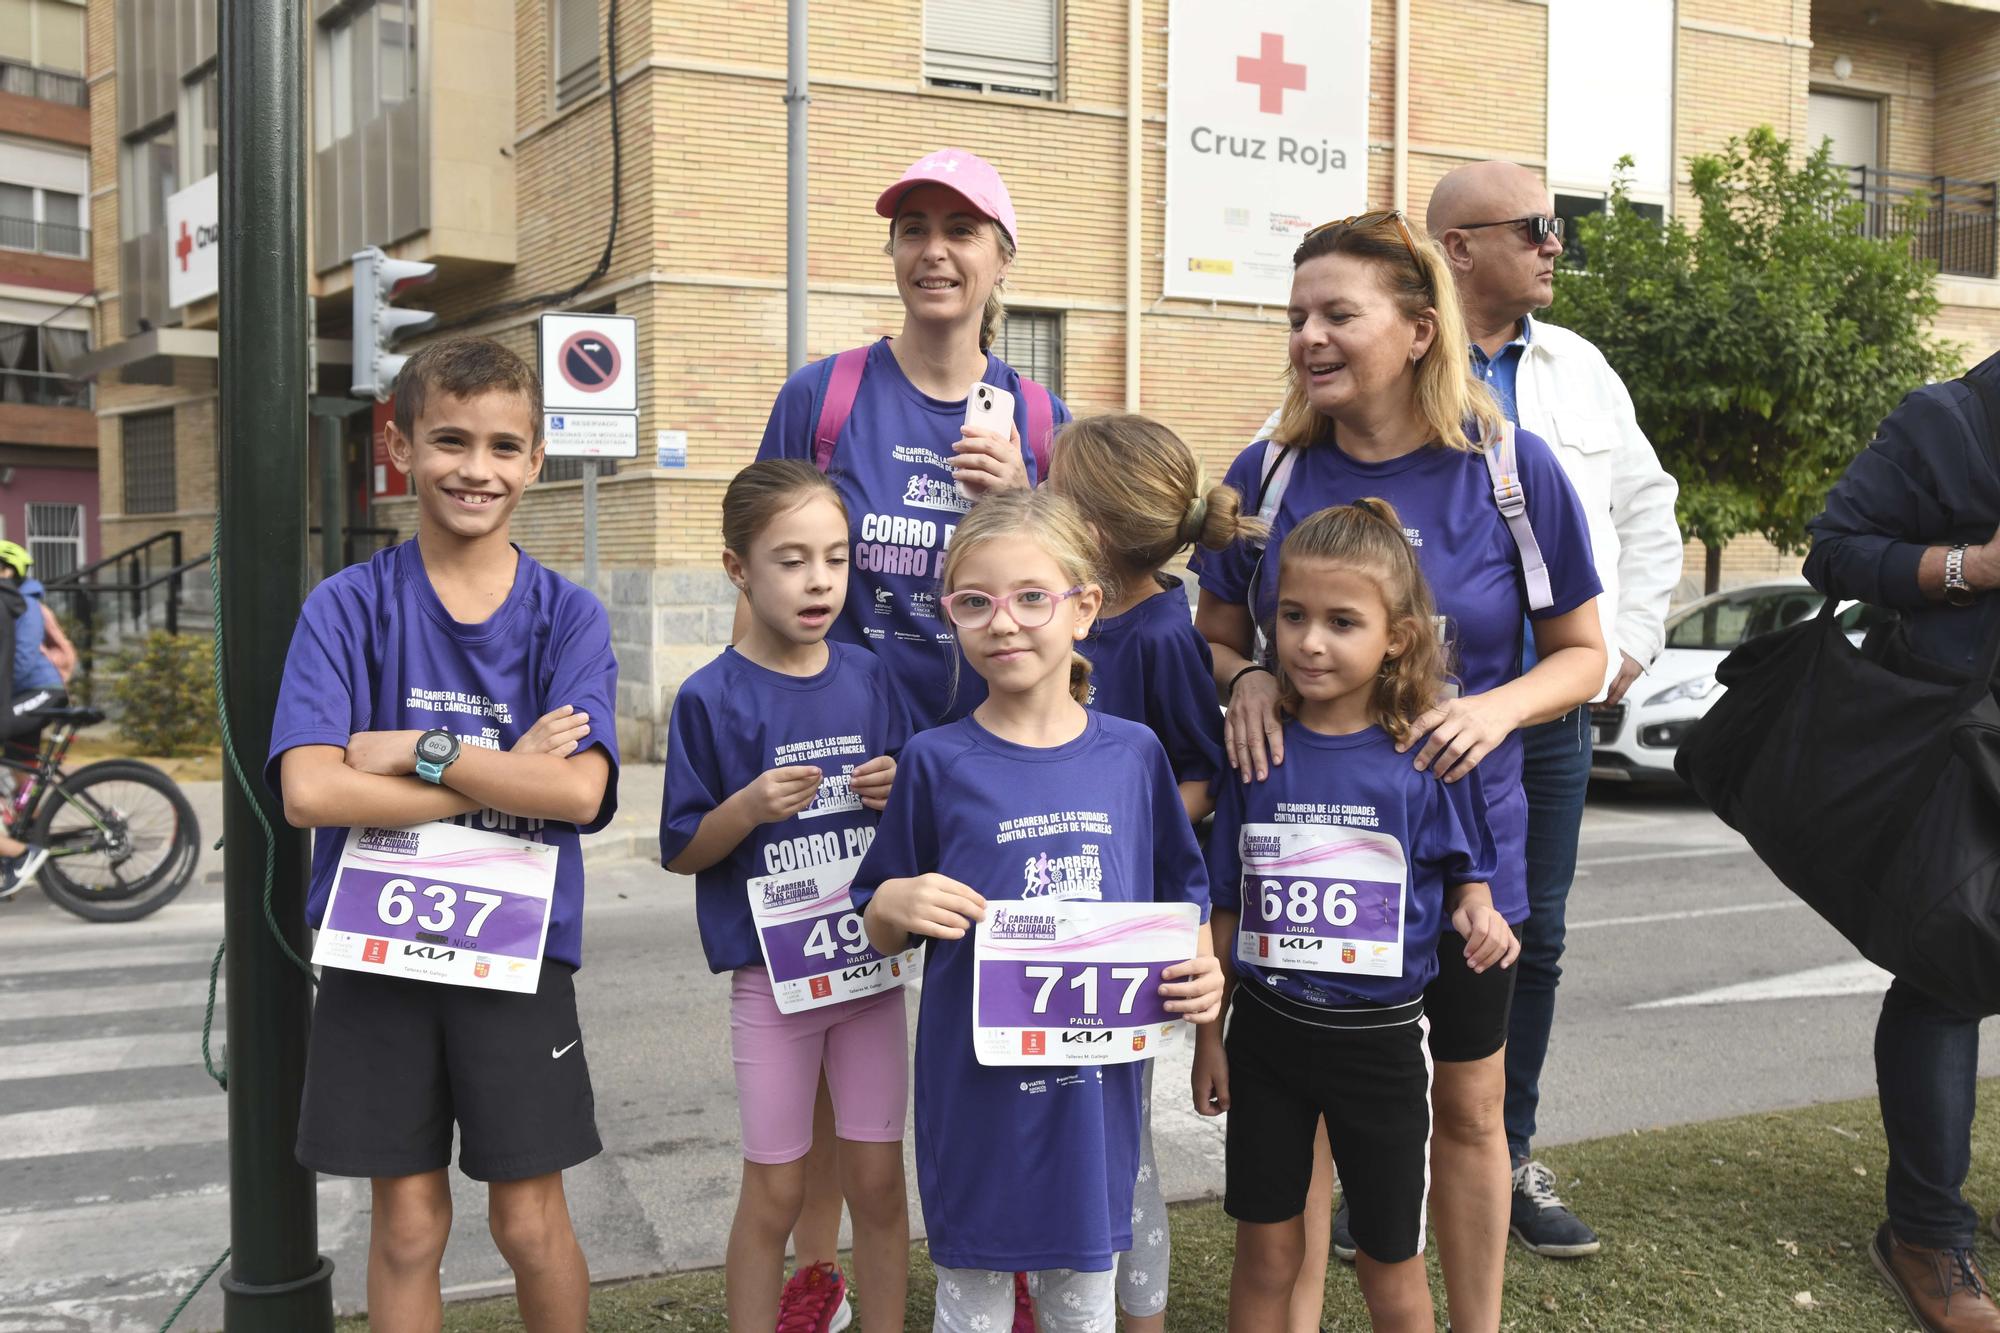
(1031, 342)
(574, 23)
(1001, 46)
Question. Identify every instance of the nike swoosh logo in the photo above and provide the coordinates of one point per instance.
(559, 1052)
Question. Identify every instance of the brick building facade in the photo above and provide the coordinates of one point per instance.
(510, 205)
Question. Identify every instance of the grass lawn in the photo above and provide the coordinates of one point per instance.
(1759, 1223)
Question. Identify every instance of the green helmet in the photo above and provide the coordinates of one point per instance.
(16, 557)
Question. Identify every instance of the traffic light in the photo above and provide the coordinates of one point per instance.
(377, 324)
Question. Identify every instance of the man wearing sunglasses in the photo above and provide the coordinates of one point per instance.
(1497, 228)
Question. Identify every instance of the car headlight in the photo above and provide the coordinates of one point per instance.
(1698, 688)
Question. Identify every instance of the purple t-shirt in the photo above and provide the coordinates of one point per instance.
(1026, 1169)
(375, 650)
(1445, 499)
(1150, 665)
(1359, 782)
(733, 720)
(892, 465)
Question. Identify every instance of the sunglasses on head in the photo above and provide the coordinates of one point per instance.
(1363, 221)
(1539, 227)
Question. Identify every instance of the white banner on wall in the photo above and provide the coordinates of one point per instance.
(194, 242)
(1267, 136)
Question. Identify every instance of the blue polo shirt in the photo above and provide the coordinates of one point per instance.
(1500, 372)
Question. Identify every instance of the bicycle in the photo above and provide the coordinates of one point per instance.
(121, 836)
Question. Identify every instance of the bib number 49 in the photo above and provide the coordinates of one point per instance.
(398, 903)
(1300, 903)
(820, 943)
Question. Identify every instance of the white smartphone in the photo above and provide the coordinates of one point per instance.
(991, 409)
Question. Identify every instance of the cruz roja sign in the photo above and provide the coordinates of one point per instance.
(1267, 136)
(194, 243)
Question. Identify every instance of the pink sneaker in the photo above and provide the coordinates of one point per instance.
(1024, 1306)
(815, 1301)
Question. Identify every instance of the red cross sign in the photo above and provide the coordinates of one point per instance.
(1271, 74)
(184, 247)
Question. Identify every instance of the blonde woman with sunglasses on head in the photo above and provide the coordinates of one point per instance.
(1381, 402)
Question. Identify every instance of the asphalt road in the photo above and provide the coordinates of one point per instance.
(1695, 987)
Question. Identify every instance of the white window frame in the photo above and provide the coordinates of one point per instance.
(988, 46)
(38, 214)
(78, 540)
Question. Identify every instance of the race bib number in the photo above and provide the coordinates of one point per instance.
(813, 940)
(1322, 898)
(1074, 982)
(440, 902)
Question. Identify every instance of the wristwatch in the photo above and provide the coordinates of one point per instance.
(1956, 590)
(436, 750)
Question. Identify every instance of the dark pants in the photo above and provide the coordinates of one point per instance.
(1926, 1069)
(1555, 770)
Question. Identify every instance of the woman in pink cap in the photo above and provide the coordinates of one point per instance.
(887, 423)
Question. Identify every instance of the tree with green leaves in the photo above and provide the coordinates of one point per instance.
(1762, 345)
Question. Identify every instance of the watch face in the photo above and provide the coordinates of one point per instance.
(435, 747)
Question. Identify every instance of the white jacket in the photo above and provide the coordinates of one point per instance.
(1567, 393)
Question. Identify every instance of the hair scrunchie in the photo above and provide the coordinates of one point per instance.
(1197, 510)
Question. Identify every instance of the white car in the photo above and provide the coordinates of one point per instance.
(1635, 740)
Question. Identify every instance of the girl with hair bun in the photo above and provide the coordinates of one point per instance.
(1144, 495)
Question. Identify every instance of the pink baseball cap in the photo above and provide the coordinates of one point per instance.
(967, 175)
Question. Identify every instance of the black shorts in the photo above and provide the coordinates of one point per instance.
(23, 726)
(1369, 1076)
(1468, 1010)
(393, 1063)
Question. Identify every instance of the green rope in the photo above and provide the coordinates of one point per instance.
(199, 1284)
(221, 1076)
(236, 766)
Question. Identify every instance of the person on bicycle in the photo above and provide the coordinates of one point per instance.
(37, 684)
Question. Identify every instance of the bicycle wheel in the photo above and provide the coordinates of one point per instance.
(122, 840)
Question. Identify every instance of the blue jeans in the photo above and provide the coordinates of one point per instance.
(1926, 1070)
(1555, 770)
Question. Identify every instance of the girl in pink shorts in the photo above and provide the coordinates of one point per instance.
(780, 755)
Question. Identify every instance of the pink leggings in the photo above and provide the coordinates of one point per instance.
(861, 1044)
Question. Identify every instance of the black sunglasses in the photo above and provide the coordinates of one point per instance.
(1540, 227)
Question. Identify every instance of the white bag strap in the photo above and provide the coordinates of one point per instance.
(1275, 471)
(1503, 466)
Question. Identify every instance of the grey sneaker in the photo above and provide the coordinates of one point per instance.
(1344, 1248)
(1540, 1220)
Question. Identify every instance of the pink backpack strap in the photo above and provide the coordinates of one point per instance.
(843, 383)
(1041, 424)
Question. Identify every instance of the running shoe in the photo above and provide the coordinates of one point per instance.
(815, 1301)
(1540, 1220)
(1344, 1248)
(17, 872)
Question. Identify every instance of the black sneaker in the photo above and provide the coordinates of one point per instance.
(1343, 1234)
(1540, 1221)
